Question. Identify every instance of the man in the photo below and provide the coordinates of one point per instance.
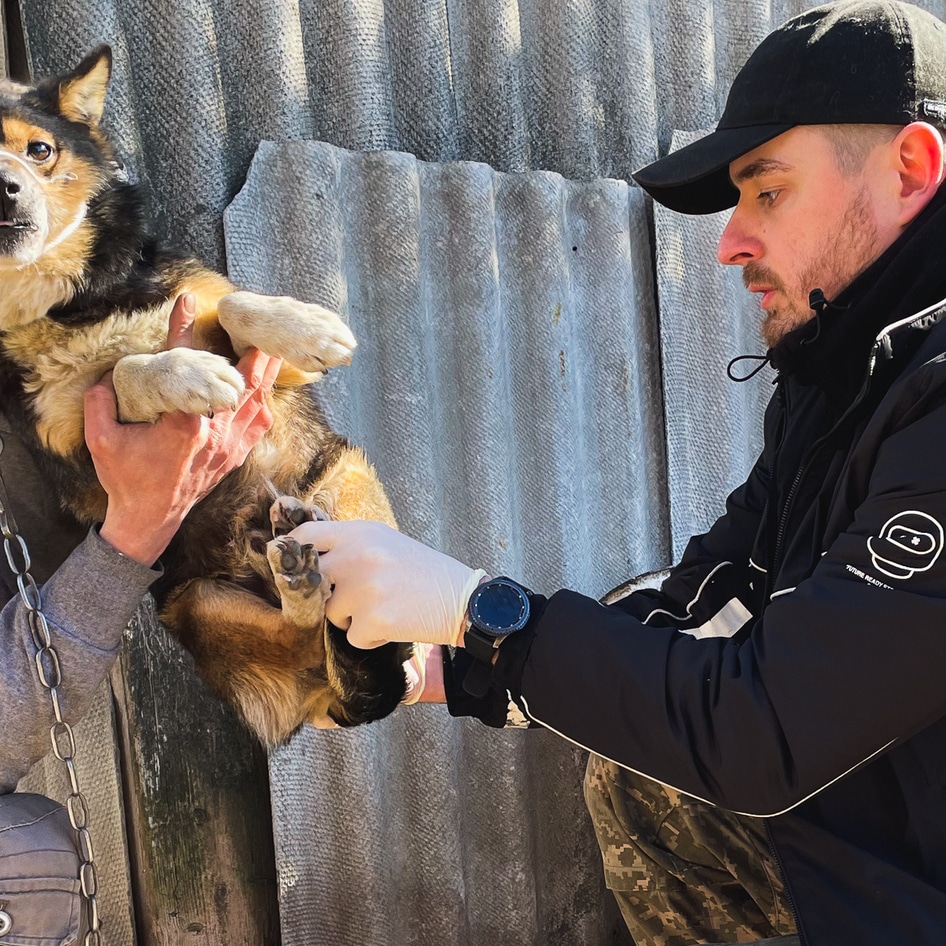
(774, 714)
(153, 475)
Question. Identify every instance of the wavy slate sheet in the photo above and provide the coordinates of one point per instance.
(589, 89)
(506, 383)
(506, 386)
(707, 318)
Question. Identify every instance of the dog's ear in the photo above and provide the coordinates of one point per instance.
(82, 91)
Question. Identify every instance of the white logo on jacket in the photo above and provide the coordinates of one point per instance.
(909, 542)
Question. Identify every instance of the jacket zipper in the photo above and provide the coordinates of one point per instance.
(796, 919)
(773, 475)
(803, 467)
(783, 521)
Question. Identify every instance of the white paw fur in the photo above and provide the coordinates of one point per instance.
(304, 335)
(181, 379)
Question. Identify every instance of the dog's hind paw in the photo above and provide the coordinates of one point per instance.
(180, 379)
(288, 512)
(307, 336)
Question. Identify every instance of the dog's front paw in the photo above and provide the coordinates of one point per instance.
(306, 336)
(180, 379)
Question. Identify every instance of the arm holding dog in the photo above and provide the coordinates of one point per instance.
(154, 475)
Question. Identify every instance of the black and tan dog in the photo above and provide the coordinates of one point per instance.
(82, 291)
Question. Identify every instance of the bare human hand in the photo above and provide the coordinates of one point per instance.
(155, 473)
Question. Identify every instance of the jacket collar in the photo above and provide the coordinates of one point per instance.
(891, 304)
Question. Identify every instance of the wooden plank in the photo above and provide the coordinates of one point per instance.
(198, 809)
(14, 42)
(4, 56)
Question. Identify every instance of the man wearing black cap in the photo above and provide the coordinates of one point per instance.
(769, 726)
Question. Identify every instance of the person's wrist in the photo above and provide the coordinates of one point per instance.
(434, 687)
(424, 672)
(143, 542)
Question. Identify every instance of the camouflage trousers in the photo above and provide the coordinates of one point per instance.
(683, 872)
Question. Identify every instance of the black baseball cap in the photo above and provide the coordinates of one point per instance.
(855, 61)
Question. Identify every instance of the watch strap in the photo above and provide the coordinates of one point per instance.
(480, 646)
(478, 677)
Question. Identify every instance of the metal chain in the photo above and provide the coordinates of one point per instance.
(60, 733)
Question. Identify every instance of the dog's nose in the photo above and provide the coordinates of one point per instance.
(9, 186)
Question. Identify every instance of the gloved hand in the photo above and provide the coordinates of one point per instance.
(387, 586)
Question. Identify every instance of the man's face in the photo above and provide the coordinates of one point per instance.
(800, 224)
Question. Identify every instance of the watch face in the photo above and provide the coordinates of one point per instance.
(499, 606)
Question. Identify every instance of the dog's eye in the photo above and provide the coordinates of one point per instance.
(39, 151)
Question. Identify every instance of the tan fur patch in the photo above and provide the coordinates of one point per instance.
(62, 363)
(351, 490)
(28, 295)
(82, 98)
(250, 654)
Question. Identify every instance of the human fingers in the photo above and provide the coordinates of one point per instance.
(322, 535)
(273, 365)
(181, 322)
(259, 370)
(188, 428)
(339, 552)
(243, 428)
(101, 410)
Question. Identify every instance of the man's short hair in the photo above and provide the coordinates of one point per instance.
(853, 143)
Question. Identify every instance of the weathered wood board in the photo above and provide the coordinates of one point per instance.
(197, 803)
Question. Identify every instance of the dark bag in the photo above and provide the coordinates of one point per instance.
(40, 903)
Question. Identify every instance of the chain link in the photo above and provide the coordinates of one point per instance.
(61, 735)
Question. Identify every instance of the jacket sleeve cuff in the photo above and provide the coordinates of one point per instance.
(95, 580)
(500, 707)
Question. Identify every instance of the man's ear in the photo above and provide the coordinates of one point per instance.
(920, 156)
(82, 91)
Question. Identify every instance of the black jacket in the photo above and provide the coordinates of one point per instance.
(824, 709)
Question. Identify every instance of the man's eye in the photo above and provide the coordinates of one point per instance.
(768, 197)
(39, 151)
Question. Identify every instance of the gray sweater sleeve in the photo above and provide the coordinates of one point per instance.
(87, 601)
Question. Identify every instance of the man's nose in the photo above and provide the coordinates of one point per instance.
(737, 244)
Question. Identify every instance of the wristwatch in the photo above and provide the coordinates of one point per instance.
(497, 608)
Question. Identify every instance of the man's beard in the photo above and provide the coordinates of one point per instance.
(833, 266)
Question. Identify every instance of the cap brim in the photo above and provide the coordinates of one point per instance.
(695, 179)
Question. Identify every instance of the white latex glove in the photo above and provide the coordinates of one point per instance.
(387, 586)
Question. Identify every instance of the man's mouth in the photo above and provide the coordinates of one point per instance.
(767, 294)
